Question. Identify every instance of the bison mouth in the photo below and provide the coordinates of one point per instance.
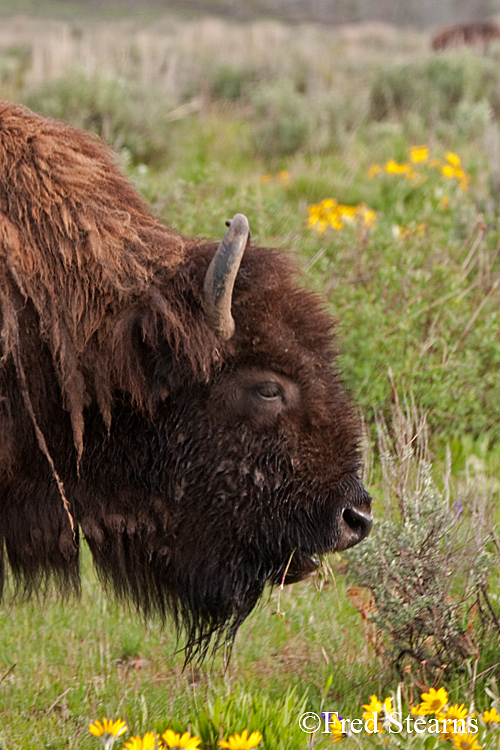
(299, 566)
(355, 525)
(303, 567)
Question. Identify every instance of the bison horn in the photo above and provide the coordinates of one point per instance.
(221, 275)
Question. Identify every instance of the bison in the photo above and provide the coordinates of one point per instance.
(478, 34)
(174, 401)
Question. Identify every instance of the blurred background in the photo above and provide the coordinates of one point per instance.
(374, 160)
(421, 13)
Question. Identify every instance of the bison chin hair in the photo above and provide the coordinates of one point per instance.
(209, 606)
(212, 611)
(208, 598)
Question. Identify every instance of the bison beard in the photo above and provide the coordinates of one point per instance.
(202, 451)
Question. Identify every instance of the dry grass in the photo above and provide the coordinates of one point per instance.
(173, 52)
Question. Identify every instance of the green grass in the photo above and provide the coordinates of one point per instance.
(63, 664)
(423, 306)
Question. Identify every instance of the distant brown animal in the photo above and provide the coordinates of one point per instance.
(477, 34)
(176, 401)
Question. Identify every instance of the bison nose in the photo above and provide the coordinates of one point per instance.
(357, 525)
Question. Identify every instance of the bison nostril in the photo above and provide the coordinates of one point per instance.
(359, 521)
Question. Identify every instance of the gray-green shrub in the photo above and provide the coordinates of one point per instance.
(434, 87)
(117, 110)
(427, 561)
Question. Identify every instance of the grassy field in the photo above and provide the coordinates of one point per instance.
(309, 132)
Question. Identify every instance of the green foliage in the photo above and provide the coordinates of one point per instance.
(228, 82)
(287, 120)
(284, 125)
(121, 113)
(13, 64)
(418, 294)
(433, 87)
(276, 721)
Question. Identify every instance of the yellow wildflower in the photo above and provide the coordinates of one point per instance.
(452, 718)
(172, 739)
(433, 702)
(347, 211)
(318, 215)
(418, 154)
(328, 204)
(374, 170)
(373, 724)
(453, 159)
(148, 742)
(241, 741)
(321, 214)
(107, 727)
(392, 167)
(376, 723)
(448, 171)
(491, 717)
(373, 705)
(266, 179)
(336, 729)
(456, 712)
(451, 172)
(371, 708)
(317, 222)
(335, 221)
(466, 742)
(444, 202)
(108, 730)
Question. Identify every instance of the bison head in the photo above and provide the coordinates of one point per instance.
(249, 469)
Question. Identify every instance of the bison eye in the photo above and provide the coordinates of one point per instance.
(269, 391)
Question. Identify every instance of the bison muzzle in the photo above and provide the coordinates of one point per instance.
(176, 402)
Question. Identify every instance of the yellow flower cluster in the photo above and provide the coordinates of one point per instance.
(451, 168)
(453, 723)
(108, 731)
(454, 720)
(330, 213)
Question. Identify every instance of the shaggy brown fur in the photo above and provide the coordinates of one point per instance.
(78, 242)
(196, 468)
(477, 34)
